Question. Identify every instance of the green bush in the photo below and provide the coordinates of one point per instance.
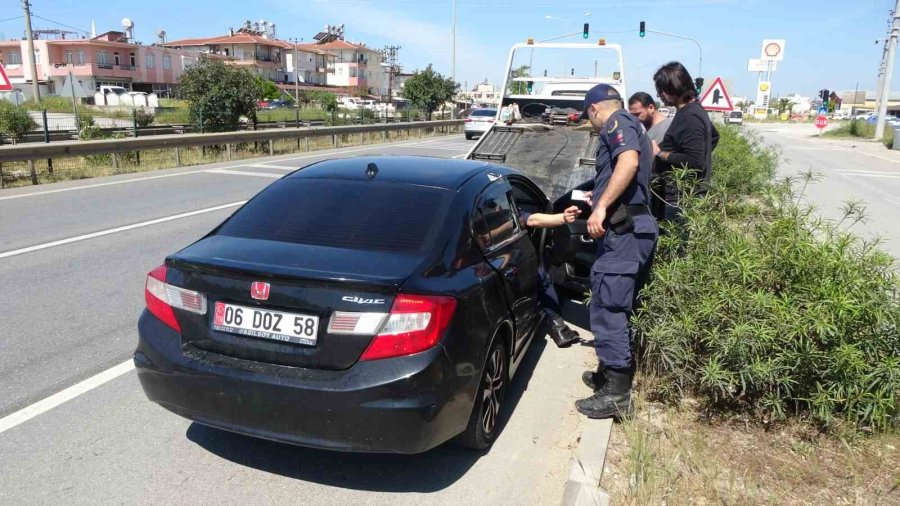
(14, 121)
(143, 118)
(763, 309)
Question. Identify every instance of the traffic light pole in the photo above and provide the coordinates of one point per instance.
(888, 73)
(700, 68)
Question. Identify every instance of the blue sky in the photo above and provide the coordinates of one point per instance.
(830, 43)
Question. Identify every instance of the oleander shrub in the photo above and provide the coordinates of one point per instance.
(764, 310)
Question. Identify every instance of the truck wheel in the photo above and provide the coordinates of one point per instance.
(484, 422)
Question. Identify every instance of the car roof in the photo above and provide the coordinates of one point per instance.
(421, 170)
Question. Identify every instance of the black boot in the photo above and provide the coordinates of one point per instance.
(594, 379)
(561, 334)
(613, 399)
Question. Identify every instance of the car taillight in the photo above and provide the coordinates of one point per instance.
(468, 120)
(162, 297)
(415, 323)
(490, 121)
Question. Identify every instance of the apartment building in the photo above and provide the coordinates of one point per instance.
(108, 59)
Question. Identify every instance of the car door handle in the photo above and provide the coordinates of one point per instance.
(585, 239)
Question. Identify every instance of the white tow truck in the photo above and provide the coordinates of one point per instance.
(552, 145)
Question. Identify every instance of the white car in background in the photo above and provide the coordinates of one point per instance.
(479, 122)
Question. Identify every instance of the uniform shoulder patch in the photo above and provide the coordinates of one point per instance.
(615, 125)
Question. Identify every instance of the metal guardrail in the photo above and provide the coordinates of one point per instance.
(34, 151)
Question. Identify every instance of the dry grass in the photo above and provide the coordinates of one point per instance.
(15, 174)
(668, 456)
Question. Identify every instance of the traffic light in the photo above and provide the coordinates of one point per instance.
(584, 33)
(643, 31)
(529, 86)
(698, 82)
(826, 95)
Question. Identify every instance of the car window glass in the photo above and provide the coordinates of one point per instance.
(494, 215)
(342, 214)
(484, 112)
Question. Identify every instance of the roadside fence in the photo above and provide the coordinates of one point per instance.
(36, 163)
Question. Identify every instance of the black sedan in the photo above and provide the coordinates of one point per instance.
(377, 304)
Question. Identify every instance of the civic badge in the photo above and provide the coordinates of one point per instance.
(259, 290)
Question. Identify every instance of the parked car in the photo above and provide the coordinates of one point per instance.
(734, 118)
(479, 122)
(391, 321)
(275, 104)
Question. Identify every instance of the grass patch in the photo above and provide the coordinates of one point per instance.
(679, 456)
(860, 129)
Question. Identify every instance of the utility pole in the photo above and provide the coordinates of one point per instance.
(888, 72)
(453, 60)
(389, 55)
(35, 92)
(881, 67)
(296, 76)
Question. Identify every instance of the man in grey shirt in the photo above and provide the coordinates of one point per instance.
(643, 107)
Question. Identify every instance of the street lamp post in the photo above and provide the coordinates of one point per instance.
(453, 61)
(568, 23)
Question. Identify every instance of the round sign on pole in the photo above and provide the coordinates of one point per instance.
(821, 121)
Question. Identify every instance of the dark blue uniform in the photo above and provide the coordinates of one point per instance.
(623, 261)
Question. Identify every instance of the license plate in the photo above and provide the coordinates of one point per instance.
(266, 323)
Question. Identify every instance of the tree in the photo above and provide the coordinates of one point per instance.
(518, 87)
(14, 121)
(429, 90)
(784, 104)
(219, 94)
(268, 89)
(326, 100)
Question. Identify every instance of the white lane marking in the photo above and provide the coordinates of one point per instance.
(117, 229)
(330, 152)
(44, 405)
(431, 147)
(243, 173)
(267, 166)
(870, 174)
(879, 157)
(97, 185)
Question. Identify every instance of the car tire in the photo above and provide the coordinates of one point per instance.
(468, 137)
(484, 422)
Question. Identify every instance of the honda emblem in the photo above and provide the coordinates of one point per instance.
(259, 290)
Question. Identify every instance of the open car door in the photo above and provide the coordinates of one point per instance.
(571, 249)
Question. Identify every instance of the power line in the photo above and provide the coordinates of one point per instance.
(60, 24)
(10, 19)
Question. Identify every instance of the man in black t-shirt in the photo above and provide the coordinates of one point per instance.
(690, 139)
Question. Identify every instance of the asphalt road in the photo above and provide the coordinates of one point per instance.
(74, 257)
(857, 170)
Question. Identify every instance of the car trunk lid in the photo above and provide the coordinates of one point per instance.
(316, 290)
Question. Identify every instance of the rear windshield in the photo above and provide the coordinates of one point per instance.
(345, 214)
(737, 114)
(484, 112)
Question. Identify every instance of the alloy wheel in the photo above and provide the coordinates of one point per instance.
(492, 393)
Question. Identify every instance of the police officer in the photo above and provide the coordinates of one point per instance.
(627, 233)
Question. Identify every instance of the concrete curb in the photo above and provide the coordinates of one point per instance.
(583, 486)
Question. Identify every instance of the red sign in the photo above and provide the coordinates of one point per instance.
(716, 97)
(821, 121)
(5, 85)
